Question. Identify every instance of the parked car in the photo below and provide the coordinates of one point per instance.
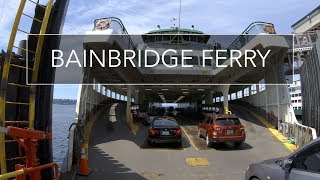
(302, 164)
(217, 128)
(148, 118)
(165, 130)
(141, 114)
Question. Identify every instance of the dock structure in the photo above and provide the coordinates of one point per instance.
(307, 31)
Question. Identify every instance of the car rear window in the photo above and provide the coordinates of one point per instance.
(164, 123)
(227, 121)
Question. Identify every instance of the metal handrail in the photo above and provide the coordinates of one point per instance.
(302, 134)
(243, 33)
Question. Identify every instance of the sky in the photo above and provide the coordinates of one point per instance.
(140, 16)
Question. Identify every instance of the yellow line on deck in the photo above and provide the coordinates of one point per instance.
(197, 162)
(189, 139)
(275, 133)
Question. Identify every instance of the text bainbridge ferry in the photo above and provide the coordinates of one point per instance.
(108, 138)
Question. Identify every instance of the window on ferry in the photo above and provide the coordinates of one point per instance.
(262, 85)
(158, 37)
(233, 96)
(253, 90)
(103, 90)
(200, 39)
(176, 38)
(186, 37)
(239, 94)
(166, 37)
(246, 92)
(98, 88)
(193, 38)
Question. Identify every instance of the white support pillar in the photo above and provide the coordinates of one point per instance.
(225, 92)
(129, 95)
(136, 96)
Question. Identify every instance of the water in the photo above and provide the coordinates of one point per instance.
(62, 117)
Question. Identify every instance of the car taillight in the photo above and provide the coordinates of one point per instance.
(177, 132)
(153, 131)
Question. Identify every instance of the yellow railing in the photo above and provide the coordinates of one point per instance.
(6, 71)
(36, 64)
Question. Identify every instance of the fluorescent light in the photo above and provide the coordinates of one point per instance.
(200, 89)
(124, 88)
(148, 89)
(164, 89)
(184, 89)
(181, 97)
(185, 92)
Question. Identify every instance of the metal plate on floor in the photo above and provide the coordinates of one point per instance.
(196, 162)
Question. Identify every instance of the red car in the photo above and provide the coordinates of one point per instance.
(219, 128)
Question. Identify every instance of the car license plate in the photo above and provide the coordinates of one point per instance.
(165, 133)
(230, 131)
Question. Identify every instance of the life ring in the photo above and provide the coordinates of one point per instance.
(269, 28)
(102, 24)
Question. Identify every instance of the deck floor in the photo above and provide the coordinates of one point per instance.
(118, 154)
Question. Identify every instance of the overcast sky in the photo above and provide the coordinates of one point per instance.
(140, 16)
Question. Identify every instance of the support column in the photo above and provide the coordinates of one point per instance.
(136, 96)
(209, 98)
(225, 92)
(129, 97)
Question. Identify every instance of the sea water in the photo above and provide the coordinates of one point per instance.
(62, 117)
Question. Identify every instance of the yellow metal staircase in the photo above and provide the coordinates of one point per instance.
(26, 65)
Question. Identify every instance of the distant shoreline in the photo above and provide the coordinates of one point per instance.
(64, 101)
